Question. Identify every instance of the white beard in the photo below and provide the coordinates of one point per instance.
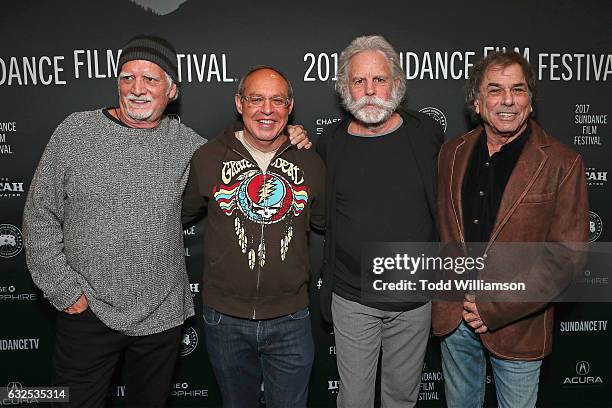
(373, 114)
(372, 109)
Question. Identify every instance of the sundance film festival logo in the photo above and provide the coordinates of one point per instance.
(584, 375)
(6, 127)
(436, 114)
(189, 342)
(11, 240)
(596, 178)
(595, 226)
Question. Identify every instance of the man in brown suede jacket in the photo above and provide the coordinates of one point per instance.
(506, 181)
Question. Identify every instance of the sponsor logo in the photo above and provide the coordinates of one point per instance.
(11, 240)
(189, 231)
(323, 122)
(15, 386)
(596, 178)
(189, 342)
(332, 350)
(332, 386)
(10, 293)
(10, 188)
(117, 391)
(584, 326)
(584, 376)
(182, 389)
(583, 368)
(595, 226)
(436, 114)
(19, 344)
(590, 278)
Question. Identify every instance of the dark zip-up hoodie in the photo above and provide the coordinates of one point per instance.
(255, 248)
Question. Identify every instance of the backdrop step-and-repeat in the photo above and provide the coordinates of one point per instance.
(58, 57)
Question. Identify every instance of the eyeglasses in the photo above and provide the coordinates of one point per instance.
(276, 101)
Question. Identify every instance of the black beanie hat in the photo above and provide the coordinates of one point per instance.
(153, 49)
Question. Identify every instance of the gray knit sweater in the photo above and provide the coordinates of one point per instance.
(103, 218)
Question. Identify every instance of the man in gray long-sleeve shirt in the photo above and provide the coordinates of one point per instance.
(103, 234)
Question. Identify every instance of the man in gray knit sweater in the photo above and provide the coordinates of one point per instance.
(103, 234)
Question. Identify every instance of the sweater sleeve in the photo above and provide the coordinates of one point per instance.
(43, 220)
(193, 202)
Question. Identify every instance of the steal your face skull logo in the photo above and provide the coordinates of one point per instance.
(263, 199)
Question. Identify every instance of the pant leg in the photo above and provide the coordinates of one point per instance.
(232, 349)
(404, 342)
(464, 368)
(286, 351)
(516, 382)
(357, 331)
(149, 367)
(85, 357)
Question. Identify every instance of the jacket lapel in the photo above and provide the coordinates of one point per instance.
(460, 160)
(527, 169)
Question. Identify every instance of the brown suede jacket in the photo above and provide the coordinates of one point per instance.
(545, 201)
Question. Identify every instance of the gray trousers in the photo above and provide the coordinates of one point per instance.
(360, 331)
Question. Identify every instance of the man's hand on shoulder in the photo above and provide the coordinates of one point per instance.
(299, 137)
(79, 306)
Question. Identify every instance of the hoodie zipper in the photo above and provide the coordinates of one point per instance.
(278, 154)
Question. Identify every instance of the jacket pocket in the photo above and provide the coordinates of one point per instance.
(538, 198)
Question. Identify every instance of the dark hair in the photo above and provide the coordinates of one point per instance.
(498, 58)
(260, 67)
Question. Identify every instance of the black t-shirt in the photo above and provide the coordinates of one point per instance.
(380, 197)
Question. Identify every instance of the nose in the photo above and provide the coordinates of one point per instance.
(267, 107)
(508, 97)
(138, 87)
(369, 88)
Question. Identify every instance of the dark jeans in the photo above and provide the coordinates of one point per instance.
(243, 352)
(87, 352)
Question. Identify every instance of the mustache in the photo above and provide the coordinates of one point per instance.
(374, 101)
(139, 98)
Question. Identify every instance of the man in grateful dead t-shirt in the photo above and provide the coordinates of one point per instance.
(262, 195)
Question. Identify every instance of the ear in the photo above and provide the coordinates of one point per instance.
(477, 106)
(173, 94)
(290, 107)
(238, 102)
